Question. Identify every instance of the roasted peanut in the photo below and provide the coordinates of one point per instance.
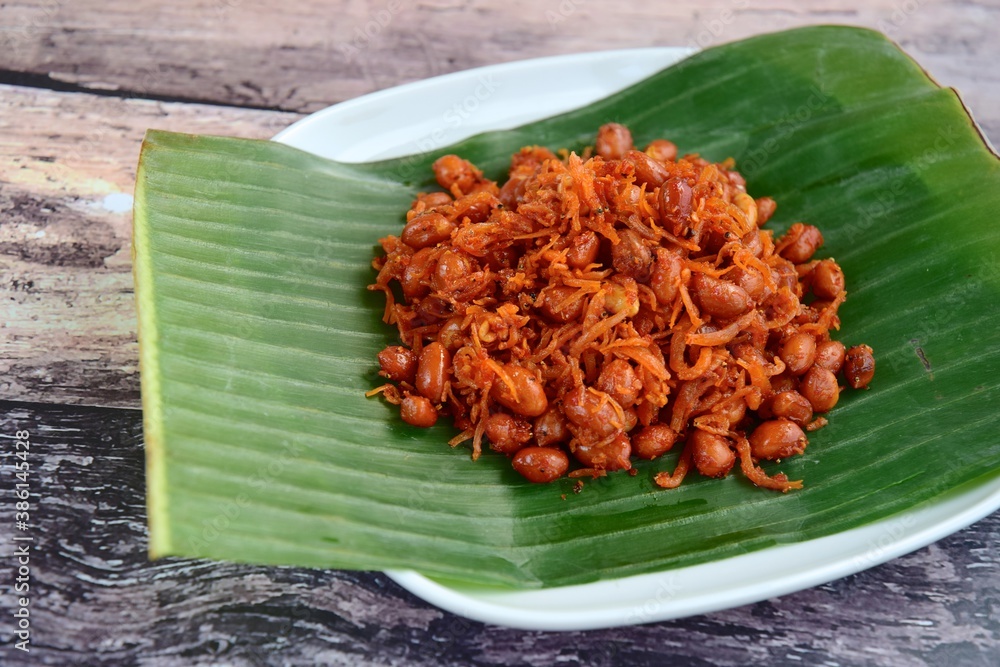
(622, 294)
(830, 355)
(720, 298)
(452, 170)
(560, 304)
(631, 257)
(662, 150)
(551, 429)
(859, 366)
(798, 352)
(528, 396)
(765, 209)
(783, 275)
(418, 411)
(613, 141)
(631, 418)
(712, 454)
(433, 200)
(541, 464)
(827, 280)
(777, 439)
(619, 381)
(751, 281)
(500, 258)
(583, 250)
(426, 230)
(733, 411)
(665, 277)
(748, 207)
(675, 204)
(653, 441)
(611, 455)
(506, 434)
(792, 405)
(450, 333)
(432, 371)
(820, 387)
(592, 410)
(477, 206)
(451, 268)
(799, 243)
(530, 158)
(398, 363)
(414, 279)
(647, 170)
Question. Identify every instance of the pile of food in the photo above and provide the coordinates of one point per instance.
(602, 306)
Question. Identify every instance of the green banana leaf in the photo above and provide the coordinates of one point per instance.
(258, 337)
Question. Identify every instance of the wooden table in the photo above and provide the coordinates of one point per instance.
(81, 81)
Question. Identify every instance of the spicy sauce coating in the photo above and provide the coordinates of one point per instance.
(616, 304)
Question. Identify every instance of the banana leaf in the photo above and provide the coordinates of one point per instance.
(258, 337)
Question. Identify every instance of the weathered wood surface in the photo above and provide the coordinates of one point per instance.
(96, 600)
(67, 170)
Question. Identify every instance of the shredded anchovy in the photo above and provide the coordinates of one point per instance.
(600, 307)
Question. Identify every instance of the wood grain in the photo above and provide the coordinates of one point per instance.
(304, 56)
(96, 599)
(67, 169)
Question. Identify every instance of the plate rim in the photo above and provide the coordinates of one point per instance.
(292, 134)
(494, 607)
(919, 525)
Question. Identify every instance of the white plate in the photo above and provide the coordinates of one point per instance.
(430, 114)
